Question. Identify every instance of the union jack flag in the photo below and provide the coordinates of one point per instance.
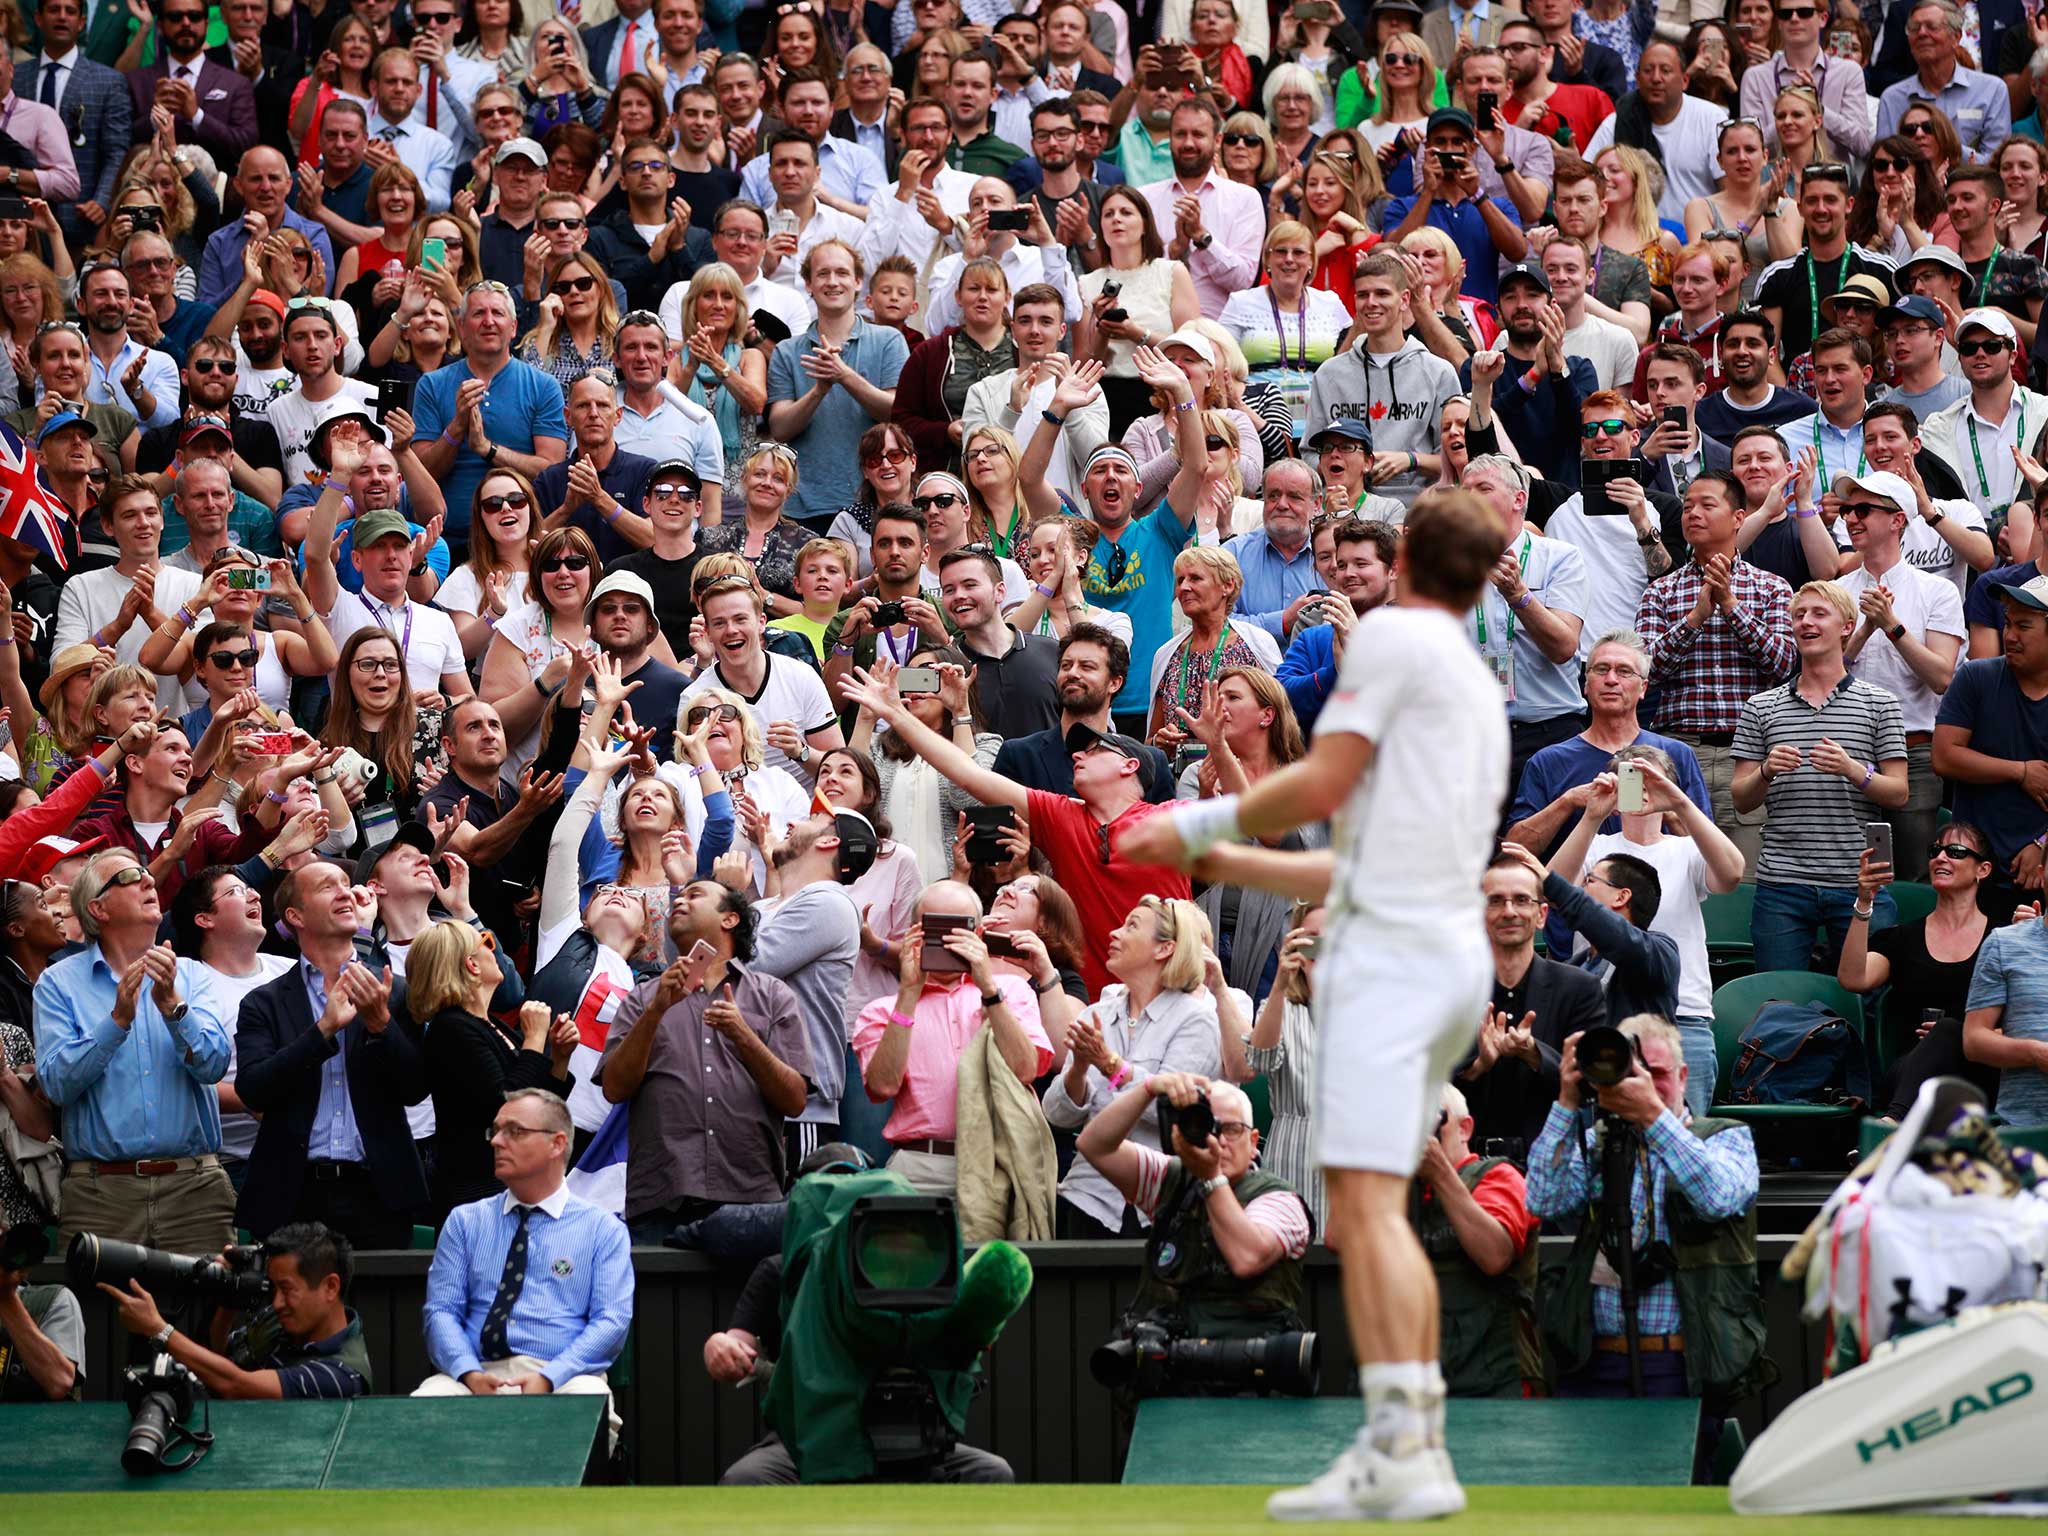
(29, 508)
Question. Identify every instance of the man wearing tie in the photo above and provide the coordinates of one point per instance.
(618, 46)
(212, 106)
(395, 84)
(530, 1290)
(92, 103)
(448, 81)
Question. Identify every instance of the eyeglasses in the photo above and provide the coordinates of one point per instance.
(211, 365)
(672, 488)
(1231, 1130)
(1611, 427)
(1056, 134)
(888, 456)
(518, 501)
(370, 666)
(563, 221)
(226, 659)
(984, 451)
(1888, 164)
(582, 284)
(555, 563)
(636, 167)
(514, 1132)
(1957, 851)
(1513, 903)
(942, 500)
(1985, 344)
(1243, 140)
(150, 263)
(744, 236)
(727, 713)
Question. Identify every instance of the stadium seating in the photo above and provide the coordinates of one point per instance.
(1785, 1132)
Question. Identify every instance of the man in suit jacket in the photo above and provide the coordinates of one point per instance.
(213, 105)
(1510, 1079)
(325, 1056)
(271, 71)
(1450, 27)
(606, 42)
(93, 104)
(112, 27)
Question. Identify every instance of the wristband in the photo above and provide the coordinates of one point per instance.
(186, 616)
(1058, 421)
(1413, 462)
(162, 1336)
(1123, 1075)
(1523, 601)
(1863, 914)
(615, 514)
(1044, 591)
(1869, 773)
(901, 1019)
(1806, 511)
(6, 640)
(349, 502)
(452, 437)
(1202, 824)
(274, 797)
(1185, 405)
(842, 650)
(703, 768)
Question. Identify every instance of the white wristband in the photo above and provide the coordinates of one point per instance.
(1202, 824)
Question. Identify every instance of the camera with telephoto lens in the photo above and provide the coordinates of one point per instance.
(161, 1397)
(1152, 1360)
(1196, 1122)
(238, 1278)
(1606, 1056)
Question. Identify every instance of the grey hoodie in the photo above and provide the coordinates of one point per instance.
(1401, 398)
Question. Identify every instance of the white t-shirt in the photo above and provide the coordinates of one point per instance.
(238, 1131)
(1682, 873)
(1616, 571)
(1926, 550)
(293, 417)
(1608, 347)
(419, 1118)
(460, 593)
(1690, 150)
(1923, 603)
(528, 631)
(91, 599)
(1414, 835)
(426, 636)
(790, 691)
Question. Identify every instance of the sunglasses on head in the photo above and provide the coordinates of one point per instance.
(226, 659)
(941, 500)
(581, 284)
(1956, 851)
(1981, 344)
(555, 563)
(1828, 170)
(1610, 427)
(517, 500)
(702, 712)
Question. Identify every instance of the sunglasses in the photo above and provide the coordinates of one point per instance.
(1214, 443)
(517, 500)
(1398, 60)
(485, 939)
(1799, 13)
(888, 456)
(570, 221)
(1243, 140)
(133, 875)
(555, 563)
(1887, 164)
(1957, 851)
(98, 476)
(1915, 130)
(727, 713)
(1113, 567)
(212, 365)
(581, 284)
(433, 18)
(1828, 170)
(310, 301)
(942, 500)
(1972, 348)
(1612, 428)
(672, 488)
(1866, 509)
(226, 659)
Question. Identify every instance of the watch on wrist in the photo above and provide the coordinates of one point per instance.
(1213, 1183)
(1202, 241)
(1935, 517)
(490, 453)
(991, 999)
(1896, 631)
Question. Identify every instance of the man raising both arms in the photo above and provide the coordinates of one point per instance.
(1412, 748)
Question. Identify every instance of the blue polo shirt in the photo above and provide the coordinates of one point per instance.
(1143, 591)
(1466, 226)
(523, 405)
(830, 475)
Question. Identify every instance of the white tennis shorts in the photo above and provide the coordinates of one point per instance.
(1393, 1018)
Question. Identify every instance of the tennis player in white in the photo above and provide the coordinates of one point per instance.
(1410, 755)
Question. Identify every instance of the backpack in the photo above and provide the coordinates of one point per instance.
(1799, 1053)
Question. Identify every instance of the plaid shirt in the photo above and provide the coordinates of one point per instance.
(1718, 1178)
(1706, 674)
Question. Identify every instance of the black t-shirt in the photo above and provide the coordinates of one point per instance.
(1789, 287)
(673, 608)
(759, 1309)
(495, 890)
(1777, 550)
(1919, 982)
(254, 440)
(706, 192)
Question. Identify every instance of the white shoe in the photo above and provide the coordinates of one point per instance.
(1367, 1485)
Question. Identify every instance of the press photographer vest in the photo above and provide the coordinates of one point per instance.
(1720, 1305)
(1186, 1273)
(1489, 1321)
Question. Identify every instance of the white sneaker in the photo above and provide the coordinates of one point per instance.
(1367, 1485)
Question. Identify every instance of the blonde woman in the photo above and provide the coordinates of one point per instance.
(533, 652)
(727, 377)
(29, 299)
(1802, 133)
(577, 320)
(765, 800)
(1630, 182)
(989, 457)
(1247, 152)
(557, 88)
(1206, 585)
(1291, 327)
(762, 534)
(1407, 90)
(396, 203)
(1471, 321)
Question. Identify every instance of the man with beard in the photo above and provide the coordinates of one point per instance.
(1071, 202)
(897, 548)
(263, 180)
(1788, 292)
(1550, 68)
(254, 462)
(427, 153)
(1927, 376)
(1976, 438)
(701, 183)
(1361, 578)
(474, 813)
(1944, 537)
(1212, 225)
(1749, 399)
(1038, 325)
(210, 103)
(1781, 529)
(2010, 280)
(645, 266)
(123, 371)
(1544, 386)
(258, 332)
(1450, 199)
(970, 98)
(928, 196)
(1093, 665)
(1145, 146)
(621, 621)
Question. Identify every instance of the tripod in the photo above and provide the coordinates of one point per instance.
(1620, 1151)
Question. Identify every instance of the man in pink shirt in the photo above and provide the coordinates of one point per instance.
(910, 1047)
(1214, 226)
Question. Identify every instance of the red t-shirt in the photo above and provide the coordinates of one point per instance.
(1103, 893)
(1581, 108)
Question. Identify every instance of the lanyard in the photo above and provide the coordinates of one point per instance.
(1983, 288)
(1215, 662)
(1970, 416)
(1521, 560)
(1001, 542)
(383, 618)
(888, 642)
(1300, 327)
(1813, 315)
(1821, 454)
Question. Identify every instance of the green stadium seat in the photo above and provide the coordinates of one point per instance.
(423, 1239)
(1915, 899)
(1736, 1004)
(1260, 1092)
(1727, 920)
(2033, 1137)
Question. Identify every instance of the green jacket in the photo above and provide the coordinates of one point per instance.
(1489, 1321)
(1720, 1304)
(1186, 1273)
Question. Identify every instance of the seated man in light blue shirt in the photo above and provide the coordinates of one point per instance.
(1278, 563)
(530, 1291)
(849, 177)
(2005, 1021)
(129, 1044)
(1978, 104)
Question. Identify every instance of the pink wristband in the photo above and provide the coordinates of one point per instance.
(1123, 1075)
(904, 1019)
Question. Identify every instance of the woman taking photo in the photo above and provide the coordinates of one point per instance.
(2022, 165)
(1750, 187)
(995, 498)
(280, 654)
(494, 32)
(1283, 1052)
(888, 459)
(1206, 584)
(374, 715)
(577, 319)
(766, 539)
(728, 371)
(1040, 920)
(1629, 182)
(557, 88)
(1150, 439)
(363, 278)
(1056, 560)
(930, 398)
(492, 581)
(1290, 327)
(401, 339)
(343, 70)
(472, 1063)
(1157, 1016)
(540, 639)
(886, 896)
(1899, 203)
(1154, 296)
(28, 299)
(924, 806)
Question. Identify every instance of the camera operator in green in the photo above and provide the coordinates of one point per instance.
(1218, 1309)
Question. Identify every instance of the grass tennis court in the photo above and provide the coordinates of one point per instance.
(1021, 1511)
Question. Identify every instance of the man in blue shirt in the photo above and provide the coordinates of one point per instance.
(488, 411)
(263, 180)
(530, 1291)
(1484, 228)
(849, 176)
(1362, 573)
(129, 1043)
(1278, 564)
(1977, 104)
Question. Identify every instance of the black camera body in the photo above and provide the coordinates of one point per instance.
(238, 1278)
(890, 614)
(1196, 1122)
(906, 1427)
(1153, 1360)
(161, 1396)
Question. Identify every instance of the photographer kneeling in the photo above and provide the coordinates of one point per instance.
(1224, 1257)
(1690, 1226)
(306, 1344)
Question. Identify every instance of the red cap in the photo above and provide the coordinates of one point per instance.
(45, 854)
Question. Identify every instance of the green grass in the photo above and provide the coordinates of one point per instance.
(1023, 1511)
